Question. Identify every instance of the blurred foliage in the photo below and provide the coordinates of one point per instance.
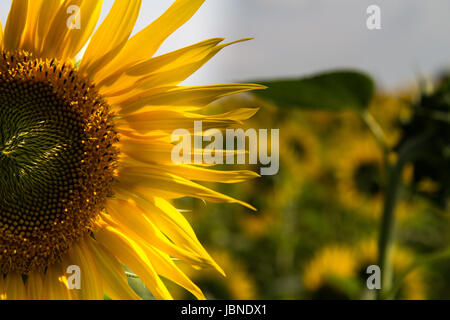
(318, 222)
(334, 91)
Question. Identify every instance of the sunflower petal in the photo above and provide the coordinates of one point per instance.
(55, 282)
(203, 174)
(168, 121)
(91, 282)
(14, 287)
(47, 13)
(171, 186)
(167, 268)
(170, 221)
(114, 278)
(30, 34)
(63, 42)
(1, 36)
(192, 98)
(144, 44)
(34, 286)
(166, 70)
(16, 24)
(111, 36)
(129, 218)
(132, 255)
(120, 80)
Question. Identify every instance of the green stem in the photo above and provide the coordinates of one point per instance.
(387, 232)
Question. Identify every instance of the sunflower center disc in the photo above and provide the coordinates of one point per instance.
(56, 160)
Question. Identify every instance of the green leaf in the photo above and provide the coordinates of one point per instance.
(334, 91)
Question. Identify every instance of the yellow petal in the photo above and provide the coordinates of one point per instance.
(133, 221)
(202, 174)
(30, 34)
(111, 36)
(144, 122)
(55, 283)
(2, 288)
(166, 70)
(15, 25)
(171, 186)
(144, 44)
(63, 42)
(177, 74)
(91, 282)
(114, 278)
(47, 14)
(1, 36)
(167, 268)
(132, 255)
(195, 97)
(15, 288)
(170, 221)
(161, 261)
(152, 150)
(34, 286)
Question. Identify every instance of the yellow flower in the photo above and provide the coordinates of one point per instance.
(85, 168)
(358, 164)
(330, 265)
(340, 271)
(301, 151)
(413, 286)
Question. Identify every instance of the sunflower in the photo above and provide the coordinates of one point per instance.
(328, 272)
(413, 286)
(358, 164)
(301, 151)
(86, 177)
(339, 271)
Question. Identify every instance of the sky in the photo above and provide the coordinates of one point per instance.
(294, 38)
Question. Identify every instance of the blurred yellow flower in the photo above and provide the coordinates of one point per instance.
(335, 262)
(358, 165)
(413, 286)
(300, 154)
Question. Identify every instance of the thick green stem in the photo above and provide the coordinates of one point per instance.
(386, 239)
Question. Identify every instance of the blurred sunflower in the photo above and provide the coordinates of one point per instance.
(300, 151)
(358, 168)
(82, 184)
(339, 272)
(413, 286)
(258, 225)
(331, 273)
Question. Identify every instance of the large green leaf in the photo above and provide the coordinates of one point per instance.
(334, 91)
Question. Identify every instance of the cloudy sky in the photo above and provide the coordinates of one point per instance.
(299, 37)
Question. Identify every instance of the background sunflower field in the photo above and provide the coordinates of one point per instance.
(318, 222)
